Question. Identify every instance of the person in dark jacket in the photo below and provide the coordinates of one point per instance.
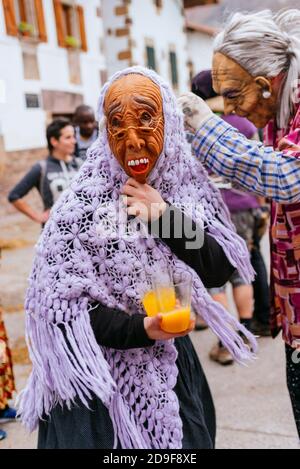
(86, 131)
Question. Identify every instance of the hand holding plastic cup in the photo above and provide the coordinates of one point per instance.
(172, 301)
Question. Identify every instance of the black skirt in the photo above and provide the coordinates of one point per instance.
(82, 428)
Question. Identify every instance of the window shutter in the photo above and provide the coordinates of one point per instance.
(174, 71)
(59, 22)
(151, 62)
(10, 17)
(22, 11)
(40, 20)
(80, 14)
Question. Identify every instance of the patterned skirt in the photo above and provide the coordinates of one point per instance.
(7, 385)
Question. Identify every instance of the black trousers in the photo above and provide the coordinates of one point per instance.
(293, 381)
(260, 287)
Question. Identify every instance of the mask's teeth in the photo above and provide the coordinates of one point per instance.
(138, 162)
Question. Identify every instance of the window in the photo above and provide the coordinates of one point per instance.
(173, 67)
(25, 18)
(150, 53)
(70, 25)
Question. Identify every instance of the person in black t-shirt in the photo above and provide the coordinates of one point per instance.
(50, 176)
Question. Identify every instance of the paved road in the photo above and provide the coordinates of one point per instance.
(252, 404)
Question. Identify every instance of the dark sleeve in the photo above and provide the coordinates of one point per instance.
(194, 246)
(116, 329)
(30, 180)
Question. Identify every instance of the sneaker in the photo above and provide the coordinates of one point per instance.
(260, 329)
(221, 355)
(7, 415)
(2, 434)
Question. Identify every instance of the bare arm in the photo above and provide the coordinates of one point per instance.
(25, 208)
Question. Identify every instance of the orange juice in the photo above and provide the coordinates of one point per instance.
(160, 302)
(176, 321)
(166, 299)
(150, 303)
(174, 318)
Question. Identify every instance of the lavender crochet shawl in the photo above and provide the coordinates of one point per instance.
(77, 264)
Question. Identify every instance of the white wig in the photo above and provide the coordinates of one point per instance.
(265, 44)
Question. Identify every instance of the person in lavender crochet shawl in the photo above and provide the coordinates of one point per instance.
(105, 375)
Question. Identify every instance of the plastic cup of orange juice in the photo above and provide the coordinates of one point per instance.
(171, 300)
(160, 297)
(174, 303)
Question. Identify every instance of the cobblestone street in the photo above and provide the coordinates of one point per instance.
(252, 403)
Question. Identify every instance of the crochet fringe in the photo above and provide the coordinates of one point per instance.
(125, 428)
(226, 326)
(70, 368)
(235, 249)
(35, 403)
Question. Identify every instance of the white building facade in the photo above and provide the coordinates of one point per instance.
(42, 72)
(200, 51)
(56, 54)
(150, 33)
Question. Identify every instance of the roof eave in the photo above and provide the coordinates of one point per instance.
(201, 28)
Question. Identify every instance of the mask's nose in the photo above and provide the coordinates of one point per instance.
(133, 141)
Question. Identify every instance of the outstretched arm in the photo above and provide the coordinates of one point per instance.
(254, 167)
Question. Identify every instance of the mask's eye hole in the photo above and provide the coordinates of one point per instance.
(120, 135)
(146, 118)
(231, 95)
(115, 122)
